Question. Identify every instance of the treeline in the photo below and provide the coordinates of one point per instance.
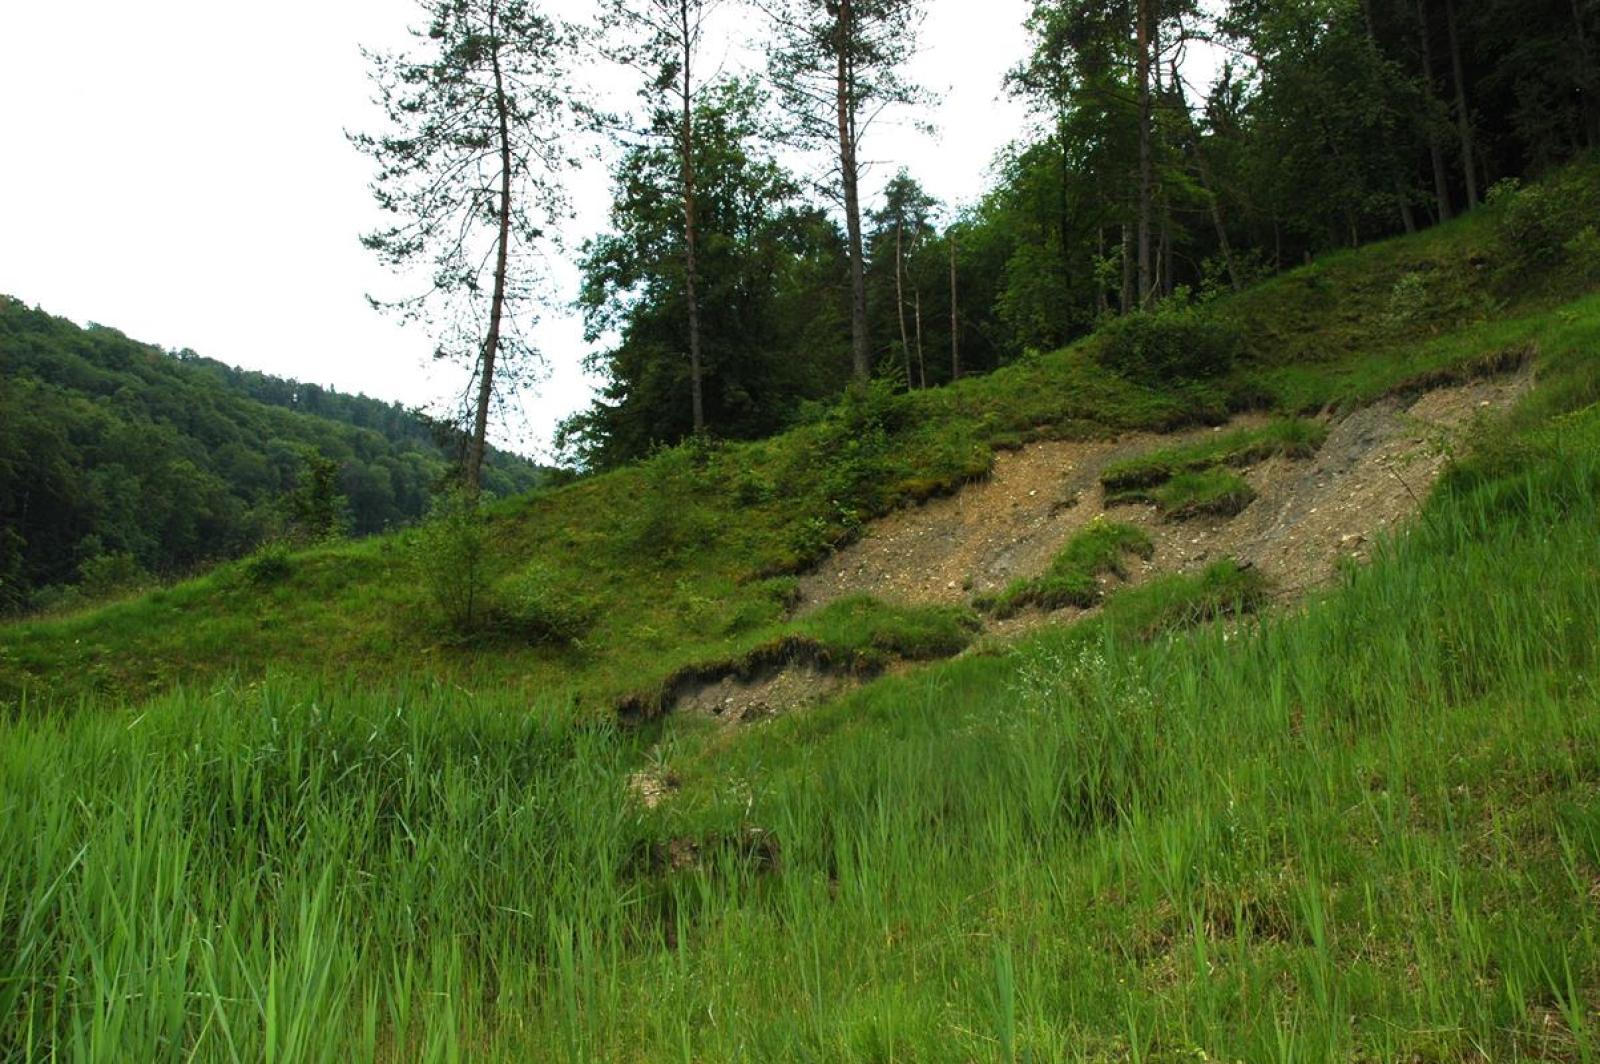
(1180, 151)
(120, 462)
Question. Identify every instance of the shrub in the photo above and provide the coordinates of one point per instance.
(268, 565)
(1544, 225)
(535, 606)
(669, 517)
(1174, 342)
(108, 574)
(449, 553)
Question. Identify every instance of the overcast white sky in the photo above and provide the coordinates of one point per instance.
(178, 169)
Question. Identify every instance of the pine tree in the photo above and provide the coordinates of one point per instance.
(472, 165)
(837, 66)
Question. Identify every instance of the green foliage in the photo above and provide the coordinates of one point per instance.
(1073, 577)
(868, 633)
(315, 507)
(180, 461)
(1175, 342)
(769, 271)
(1288, 437)
(114, 573)
(450, 558)
(668, 519)
(1217, 491)
(272, 563)
(535, 605)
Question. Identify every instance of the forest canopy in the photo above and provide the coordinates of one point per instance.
(120, 461)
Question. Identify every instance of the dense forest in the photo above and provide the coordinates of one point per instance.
(120, 462)
(1178, 151)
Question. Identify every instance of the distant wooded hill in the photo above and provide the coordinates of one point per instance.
(119, 457)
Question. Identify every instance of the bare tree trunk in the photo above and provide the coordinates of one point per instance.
(1407, 219)
(1146, 161)
(691, 233)
(1441, 184)
(844, 31)
(955, 317)
(1127, 269)
(491, 343)
(900, 294)
(1463, 119)
(1100, 301)
(922, 366)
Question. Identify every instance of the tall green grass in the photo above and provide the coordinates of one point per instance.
(1365, 829)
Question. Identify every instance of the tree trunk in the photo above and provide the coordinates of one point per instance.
(1100, 301)
(900, 294)
(1441, 184)
(844, 31)
(691, 233)
(1407, 219)
(955, 317)
(1463, 119)
(1146, 162)
(922, 366)
(491, 343)
(1127, 269)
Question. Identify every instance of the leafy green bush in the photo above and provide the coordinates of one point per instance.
(535, 606)
(268, 565)
(449, 554)
(1174, 342)
(1547, 224)
(111, 573)
(670, 516)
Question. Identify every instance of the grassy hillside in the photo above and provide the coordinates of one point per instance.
(1367, 827)
(113, 449)
(683, 559)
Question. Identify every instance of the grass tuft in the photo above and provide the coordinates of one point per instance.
(1073, 577)
(1290, 438)
(1216, 492)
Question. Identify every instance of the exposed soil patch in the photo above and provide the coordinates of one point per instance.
(1371, 475)
(1307, 517)
(742, 700)
(952, 550)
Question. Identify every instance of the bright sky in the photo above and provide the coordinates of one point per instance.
(178, 169)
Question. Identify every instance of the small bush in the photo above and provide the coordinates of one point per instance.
(1174, 342)
(670, 517)
(1408, 300)
(449, 554)
(1546, 225)
(109, 574)
(533, 605)
(269, 565)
